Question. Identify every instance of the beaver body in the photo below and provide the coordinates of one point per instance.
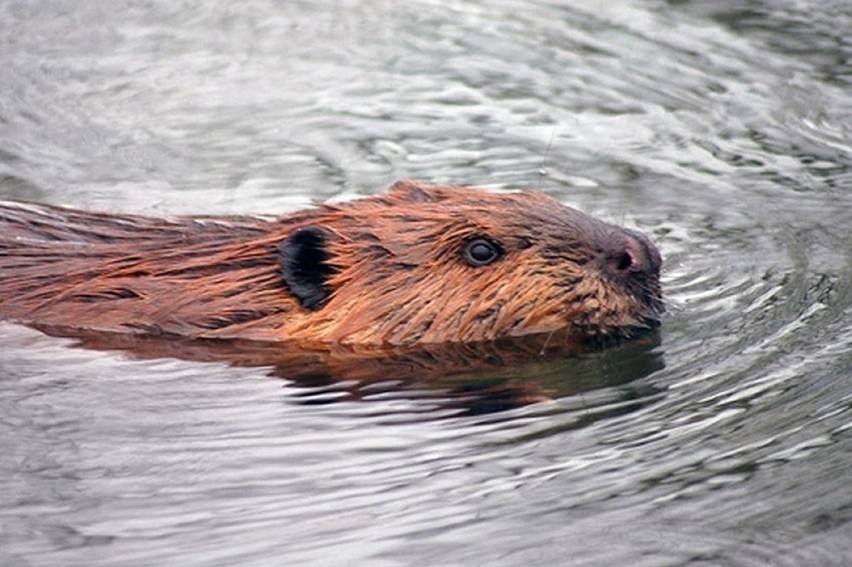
(420, 264)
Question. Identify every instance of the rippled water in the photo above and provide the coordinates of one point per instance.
(722, 129)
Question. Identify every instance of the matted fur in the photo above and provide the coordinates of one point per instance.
(398, 272)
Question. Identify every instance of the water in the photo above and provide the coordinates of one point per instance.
(722, 129)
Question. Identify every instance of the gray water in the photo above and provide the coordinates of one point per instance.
(723, 129)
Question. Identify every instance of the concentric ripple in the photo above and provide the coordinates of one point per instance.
(721, 130)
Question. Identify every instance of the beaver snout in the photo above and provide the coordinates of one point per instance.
(627, 253)
(631, 261)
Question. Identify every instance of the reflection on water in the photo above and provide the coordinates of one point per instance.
(719, 128)
(451, 379)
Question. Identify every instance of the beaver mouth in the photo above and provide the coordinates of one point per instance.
(650, 316)
(653, 309)
(646, 323)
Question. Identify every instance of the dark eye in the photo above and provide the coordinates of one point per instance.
(481, 251)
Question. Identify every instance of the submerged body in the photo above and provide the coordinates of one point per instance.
(420, 264)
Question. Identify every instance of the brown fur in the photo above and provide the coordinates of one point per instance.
(398, 275)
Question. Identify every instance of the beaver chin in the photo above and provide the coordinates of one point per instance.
(644, 326)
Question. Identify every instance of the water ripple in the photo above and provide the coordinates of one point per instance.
(718, 129)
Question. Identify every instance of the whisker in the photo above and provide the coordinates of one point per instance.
(542, 172)
(546, 343)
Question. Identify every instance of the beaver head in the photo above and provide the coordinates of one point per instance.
(429, 264)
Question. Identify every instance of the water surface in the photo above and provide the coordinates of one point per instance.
(721, 129)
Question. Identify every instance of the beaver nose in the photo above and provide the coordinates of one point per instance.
(628, 252)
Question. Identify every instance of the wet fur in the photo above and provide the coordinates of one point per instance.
(394, 271)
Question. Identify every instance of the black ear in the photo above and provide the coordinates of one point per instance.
(304, 266)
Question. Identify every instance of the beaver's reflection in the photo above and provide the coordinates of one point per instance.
(446, 379)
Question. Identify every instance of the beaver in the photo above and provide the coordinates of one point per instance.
(420, 264)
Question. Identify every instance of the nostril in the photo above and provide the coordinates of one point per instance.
(627, 255)
(623, 261)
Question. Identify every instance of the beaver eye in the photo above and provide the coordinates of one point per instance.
(481, 251)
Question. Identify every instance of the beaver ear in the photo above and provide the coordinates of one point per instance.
(411, 191)
(304, 265)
